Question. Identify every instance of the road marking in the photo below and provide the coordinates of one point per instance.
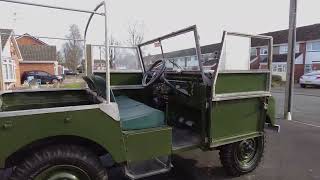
(307, 124)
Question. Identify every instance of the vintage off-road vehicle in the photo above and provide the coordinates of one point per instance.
(157, 100)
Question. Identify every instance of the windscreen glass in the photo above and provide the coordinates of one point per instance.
(121, 59)
(179, 53)
(151, 53)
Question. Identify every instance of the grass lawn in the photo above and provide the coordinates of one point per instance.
(73, 85)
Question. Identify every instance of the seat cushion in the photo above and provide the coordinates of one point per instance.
(135, 115)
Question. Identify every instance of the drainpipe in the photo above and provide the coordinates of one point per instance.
(1, 73)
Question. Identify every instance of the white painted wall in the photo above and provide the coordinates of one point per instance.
(283, 73)
(299, 59)
(311, 57)
(56, 68)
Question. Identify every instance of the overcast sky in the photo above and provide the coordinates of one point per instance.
(159, 17)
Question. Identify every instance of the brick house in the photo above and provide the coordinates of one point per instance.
(307, 51)
(11, 57)
(37, 55)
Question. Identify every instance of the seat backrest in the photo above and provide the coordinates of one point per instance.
(98, 85)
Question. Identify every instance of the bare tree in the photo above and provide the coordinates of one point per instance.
(114, 41)
(135, 33)
(60, 58)
(73, 49)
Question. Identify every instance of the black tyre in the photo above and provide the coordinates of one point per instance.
(303, 85)
(65, 162)
(242, 157)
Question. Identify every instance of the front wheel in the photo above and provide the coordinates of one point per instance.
(60, 163)
(242, 157)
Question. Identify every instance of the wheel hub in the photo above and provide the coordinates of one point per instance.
(246, 150)
(63, 176)
(63, 172)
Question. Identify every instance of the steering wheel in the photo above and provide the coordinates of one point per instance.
(154, 73)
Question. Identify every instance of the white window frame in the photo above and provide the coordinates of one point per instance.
(310, 46)
(279, 67)
(8, 64)
(283, 49)
(264, 51)
(253, 50)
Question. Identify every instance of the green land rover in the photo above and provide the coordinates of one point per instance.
(151, 102)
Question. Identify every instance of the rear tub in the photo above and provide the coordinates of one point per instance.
(25, 100)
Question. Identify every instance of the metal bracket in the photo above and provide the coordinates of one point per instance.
(275, 128)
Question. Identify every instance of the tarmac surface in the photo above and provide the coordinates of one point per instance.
(293, 154)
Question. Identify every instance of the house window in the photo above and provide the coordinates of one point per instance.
(264, 51)
(284, 49)
(279, 67)
(274, 68)
(253, 51)
(313, 46)
(9, 70)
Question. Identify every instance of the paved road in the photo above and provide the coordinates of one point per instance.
(306, 104)
(292, 154)
(310, 91)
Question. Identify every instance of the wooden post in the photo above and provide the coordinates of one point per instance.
(89, 70)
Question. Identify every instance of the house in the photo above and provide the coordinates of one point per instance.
(99, 65)
(11, 57)
(307, 56)
(37, 55)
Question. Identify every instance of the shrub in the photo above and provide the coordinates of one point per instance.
(276, 80)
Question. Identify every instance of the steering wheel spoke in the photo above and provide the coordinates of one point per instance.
(154, 73)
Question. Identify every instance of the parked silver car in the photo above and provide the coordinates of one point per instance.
(312, 79)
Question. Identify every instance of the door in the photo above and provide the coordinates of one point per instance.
(147, 143)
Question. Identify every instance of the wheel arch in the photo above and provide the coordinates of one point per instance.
(39, 144)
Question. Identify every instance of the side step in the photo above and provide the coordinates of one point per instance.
(147, 168)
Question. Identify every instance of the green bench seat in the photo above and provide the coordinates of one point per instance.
(135, 115)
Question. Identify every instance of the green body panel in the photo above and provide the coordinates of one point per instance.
(241, 82)
(148, 143)
(91, 124)
(43, 99)
(233, 120)
(271, 111)
(117, 78)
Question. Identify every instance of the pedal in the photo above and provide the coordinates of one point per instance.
(147, 168)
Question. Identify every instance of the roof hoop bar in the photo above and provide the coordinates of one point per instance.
(53, 7)
(41, 37)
